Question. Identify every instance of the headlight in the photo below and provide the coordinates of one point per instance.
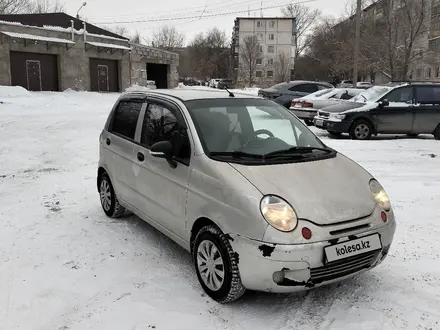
(380, 195)
(278, 213)
(337, 116)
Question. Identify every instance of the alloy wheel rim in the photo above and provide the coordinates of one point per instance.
(362, 131)
(105, 194)
(210, 265)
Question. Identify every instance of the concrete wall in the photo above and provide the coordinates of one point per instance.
(73, 63)
(141, 54)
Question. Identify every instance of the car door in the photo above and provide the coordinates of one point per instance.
(161, 189)
(397, 116)
(426, 109)
(118, 146)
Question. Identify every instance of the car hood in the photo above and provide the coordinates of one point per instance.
(323, 192)
(341, 107)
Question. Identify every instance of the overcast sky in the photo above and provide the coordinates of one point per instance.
(188, 16)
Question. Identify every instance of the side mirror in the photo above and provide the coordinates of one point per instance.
(163, 149)
(384, 103)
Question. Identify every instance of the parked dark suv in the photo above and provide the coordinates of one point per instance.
(285, 92)
(396, 108)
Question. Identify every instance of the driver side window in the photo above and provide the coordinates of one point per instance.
(404, 94)
(161, 124)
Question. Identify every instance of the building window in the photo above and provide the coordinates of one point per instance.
(271, 36)
(269, 74)
(270, 49)
(272, 24)
(270, 61)
(258, 74)
(260, 49)
(259, 23)
(260, 36)
(259, 61)
(437, 74)
(428, 73)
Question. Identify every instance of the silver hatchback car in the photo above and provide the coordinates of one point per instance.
(260, 202)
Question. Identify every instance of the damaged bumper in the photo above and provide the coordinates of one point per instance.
(289, 268)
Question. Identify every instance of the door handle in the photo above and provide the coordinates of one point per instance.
(108, 141)
(140, 156)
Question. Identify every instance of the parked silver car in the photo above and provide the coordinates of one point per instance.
(260, 202)
(306, 108)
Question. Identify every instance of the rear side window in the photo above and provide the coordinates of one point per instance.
(428, 94)
(125, 119)
(307, 88)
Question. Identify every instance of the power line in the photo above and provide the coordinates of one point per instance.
(195, 9)
(146, 20)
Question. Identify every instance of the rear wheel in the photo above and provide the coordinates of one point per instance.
(109, 201)
(217, 265)
(308, 122)
(361, 130)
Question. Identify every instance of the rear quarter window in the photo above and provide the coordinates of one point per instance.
(125, 119)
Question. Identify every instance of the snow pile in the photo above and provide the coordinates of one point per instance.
(13, 91)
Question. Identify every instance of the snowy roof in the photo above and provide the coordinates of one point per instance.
(35, 37)
(104, 45)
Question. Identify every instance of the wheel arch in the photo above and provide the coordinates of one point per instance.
(199, 224)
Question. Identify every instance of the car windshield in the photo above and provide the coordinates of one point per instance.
(372, 94)
(248, 127)
(321, 93)
(280, 86)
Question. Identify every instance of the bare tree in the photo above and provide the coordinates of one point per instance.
(14, 6)
(46, 6)
(136, 38)
(282, 67)
(168, 37)
(306, 18)
(249, 53)
(395, 36)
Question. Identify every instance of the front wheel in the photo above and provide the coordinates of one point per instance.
(334, 134)
(361, 130)
(217, 265)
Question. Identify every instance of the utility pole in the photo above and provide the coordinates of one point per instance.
(357, 42)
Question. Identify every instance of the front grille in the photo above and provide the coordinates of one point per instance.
(340, 268)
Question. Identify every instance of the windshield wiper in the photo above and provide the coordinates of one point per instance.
(235, 154)
(295, 150)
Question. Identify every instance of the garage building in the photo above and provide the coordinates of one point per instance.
(55, 52)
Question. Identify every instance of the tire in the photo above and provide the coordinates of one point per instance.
(437, 133)
(334, 134)
(361, 130)
(225, 290)
(308, 122)
(412, 135)
(109, 201)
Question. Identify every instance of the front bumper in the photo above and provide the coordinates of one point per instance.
(304, 114)
(302, 266)
(332, 126)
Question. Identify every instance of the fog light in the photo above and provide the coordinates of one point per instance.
(306, 232)
(384, 217)
(278, 277)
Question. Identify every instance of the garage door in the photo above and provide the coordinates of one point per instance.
(104, 75)
(35, 72)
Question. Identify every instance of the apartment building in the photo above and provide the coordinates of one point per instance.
(276, 38)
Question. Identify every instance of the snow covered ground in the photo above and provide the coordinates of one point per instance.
(65, 266)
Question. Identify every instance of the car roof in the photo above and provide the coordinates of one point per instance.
(184, 94)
